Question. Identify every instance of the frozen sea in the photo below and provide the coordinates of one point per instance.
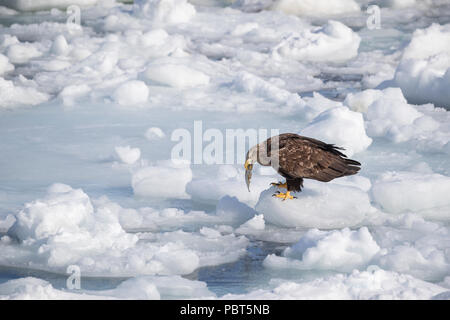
(93, 207)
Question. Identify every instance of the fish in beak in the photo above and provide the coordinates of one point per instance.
(248, 173)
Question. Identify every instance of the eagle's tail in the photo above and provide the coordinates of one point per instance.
(352, 167)
(340, 167)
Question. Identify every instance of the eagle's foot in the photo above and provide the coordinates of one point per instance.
(283, 196)
(279, 185)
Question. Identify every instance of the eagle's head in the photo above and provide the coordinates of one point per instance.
(250, 159)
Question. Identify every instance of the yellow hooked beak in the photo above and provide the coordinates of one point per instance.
(248, 165)
(248, 173)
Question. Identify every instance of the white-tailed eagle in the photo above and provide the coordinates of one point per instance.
(296, 158)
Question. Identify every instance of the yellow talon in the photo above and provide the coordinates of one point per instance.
(279, 185)
(284, 196)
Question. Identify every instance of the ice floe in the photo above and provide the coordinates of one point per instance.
(93, 106)
(177, 76)
(316, 8)
(228, 212)
(166, 179)
(131, 93)
(424, 70)
(387, 114)
(341, 127)
(142, 287)
(154, 133)
(333, 41)
(35, 5)
(5, 65)
(412, 245)
(127, 154)
(318, 205)
(165, 11)
(373, 283)
(229, 181)
(65, 228)
(20, 94)
(422, 193)
(342, 251)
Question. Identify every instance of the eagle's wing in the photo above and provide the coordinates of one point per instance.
(303, 157)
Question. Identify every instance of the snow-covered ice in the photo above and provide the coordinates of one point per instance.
(154, 133)
(343, 251)
(424, 70)
(65, 228)
(13, 95)
(327, 207)
(165, 11)
(165, 179)
(131, 93)
(342, 127)
(365, 285)
(391, 116)
(425, 194)
(228, 182)
(316, 7)
(35, 5)
(5, 65)
(88, 116)
(143, 287)
(127, 154)
(331, 42)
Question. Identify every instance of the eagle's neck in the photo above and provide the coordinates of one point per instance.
(259, 154)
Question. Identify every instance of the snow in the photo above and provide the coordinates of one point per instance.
(37, 289)
(177, 287)
(423, 72)
(374, 283)
(341, 127)
(315, 7)
(322, 206)
(22, 53)
(331, 42)
(255, 223)
(360, 101)
(419, 249)
(390, 116)
(66, 216)
(71, 93)
(228, 212)
(127, 154)
(5, 65)
(342, 251)
(175, 75)
(65, 228)
(236, 212)
(229, 182)
(60, 46)
(425, 194)
(154, 133)
(88, 117)
(142, 287)
(165, 11)
(251, 84)
(131, 93)
(35, 5)
(162, 180)
(13, 95)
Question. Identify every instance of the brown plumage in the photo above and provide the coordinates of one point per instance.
(302, 158)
